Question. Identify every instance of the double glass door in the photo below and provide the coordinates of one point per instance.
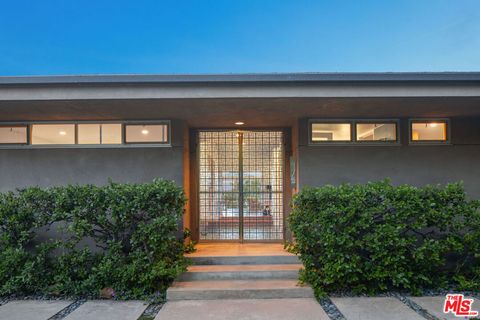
(241, 185)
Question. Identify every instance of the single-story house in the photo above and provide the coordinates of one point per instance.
(241, 144)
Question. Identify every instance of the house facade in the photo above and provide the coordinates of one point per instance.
(241, 145)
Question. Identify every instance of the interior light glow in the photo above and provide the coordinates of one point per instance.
(239, 123)
(145, 131)
(62, 133)
(433, 125)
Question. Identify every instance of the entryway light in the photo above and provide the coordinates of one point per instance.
(433, 124)
(62, 133)
(144, 131)
(239, 123)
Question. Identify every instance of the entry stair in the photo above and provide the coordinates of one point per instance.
(240, 277)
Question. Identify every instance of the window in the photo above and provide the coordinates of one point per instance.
(325, 132)
(428, 131)
(84, 134)
(99, 133)
(380, 132)
(148, 133)
(53, 134)
(13, 134)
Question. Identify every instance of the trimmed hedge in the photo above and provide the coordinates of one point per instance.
(119, 236)
(377, 237)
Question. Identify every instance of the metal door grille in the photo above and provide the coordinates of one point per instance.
(241, 185)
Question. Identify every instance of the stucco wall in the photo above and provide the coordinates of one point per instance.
(47, 167)
(416, 165)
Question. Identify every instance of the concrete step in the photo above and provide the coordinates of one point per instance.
(245, 260)
(237, 289)
(241, 272)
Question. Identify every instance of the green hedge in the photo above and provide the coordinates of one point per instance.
(119, 236)
(377, 237)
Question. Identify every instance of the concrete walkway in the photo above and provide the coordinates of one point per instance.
(375, 308)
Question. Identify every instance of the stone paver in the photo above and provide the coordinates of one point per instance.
(375, 309)
(434, 305)
(100, 309)
(244, 309)
(31, 309)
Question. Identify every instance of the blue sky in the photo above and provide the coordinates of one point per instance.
(114, 36)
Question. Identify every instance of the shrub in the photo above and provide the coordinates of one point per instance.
(376, 237)
(120, 236)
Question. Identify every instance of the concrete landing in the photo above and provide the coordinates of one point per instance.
(238, 249)
(434, 305)
(271, 309)
(31, 309)
(106, 309)
(380, 308)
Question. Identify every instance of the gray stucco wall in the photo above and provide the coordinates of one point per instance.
(416, 165)
(48, 167)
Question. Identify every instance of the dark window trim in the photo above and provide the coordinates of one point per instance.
(429, 142)
(16, 125)
(353, 133)
(379, 121)
(133, 123)
(123, 123)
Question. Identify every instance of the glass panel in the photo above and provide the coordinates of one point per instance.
(429, 131)
(156, 133)
(219, 185)
(262, 185)
(89, 134)
(53, 134)
(111, 133)
(13, 134)
(376, 132)
(331, 132)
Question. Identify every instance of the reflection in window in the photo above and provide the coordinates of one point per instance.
(154, 133)
(429, 131)
(13, 134)
(53, 134)
(322, 132)
(376, 132)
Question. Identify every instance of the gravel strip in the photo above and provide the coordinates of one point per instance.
(151, 312)
(331, 309)
(415, 307)
(67, 310)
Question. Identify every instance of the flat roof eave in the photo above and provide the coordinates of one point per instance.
(308, 77)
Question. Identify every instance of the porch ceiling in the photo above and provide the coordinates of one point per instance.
(255, 112)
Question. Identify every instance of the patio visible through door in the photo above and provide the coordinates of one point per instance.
(241, 185)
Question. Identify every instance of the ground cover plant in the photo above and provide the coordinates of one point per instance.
(376, 237)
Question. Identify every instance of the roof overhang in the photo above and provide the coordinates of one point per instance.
(302, 85)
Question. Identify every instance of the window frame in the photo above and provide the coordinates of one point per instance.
(16, 125)
(378, 121)
(412, 142)
(123, 123)
(134, 123)
(311, 122)
(353, 132)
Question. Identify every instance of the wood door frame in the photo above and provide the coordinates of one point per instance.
(194, 181)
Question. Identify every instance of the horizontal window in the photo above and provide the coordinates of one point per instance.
(428, 131)
(324, 132)
(105, 133)
(13, 134)
(152, 133)
(382, 132)
(83, 133)
(53, 134)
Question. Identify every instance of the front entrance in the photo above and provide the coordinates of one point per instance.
(240, 186)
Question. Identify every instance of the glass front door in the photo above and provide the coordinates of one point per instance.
(241, 185)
